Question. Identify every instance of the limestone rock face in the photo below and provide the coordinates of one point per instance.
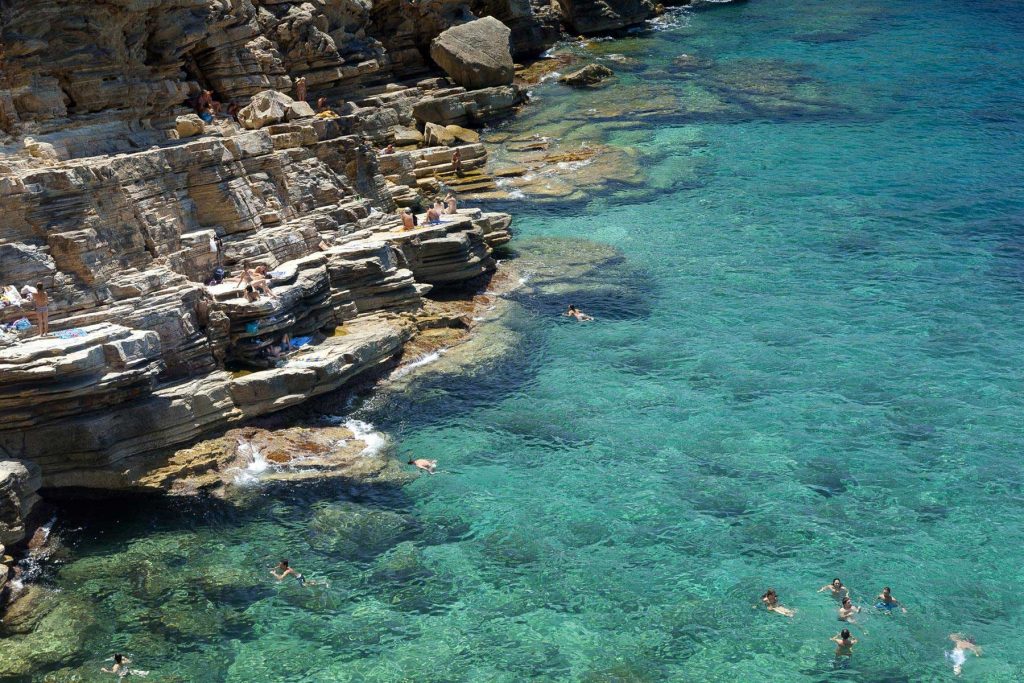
(591, 74)
(476, 54)
(596, 16)
(437, 135)
(127, 207)
(19, 482)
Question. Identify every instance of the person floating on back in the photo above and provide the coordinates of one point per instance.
(427, 466)
(42, 304)
(771, 601)
(887, 602)
(958, 655)
(573, 312)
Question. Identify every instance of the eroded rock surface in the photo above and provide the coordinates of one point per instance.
(476, 54)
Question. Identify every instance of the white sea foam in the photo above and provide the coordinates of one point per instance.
(365, 432)
(257, 464)
(425, 359)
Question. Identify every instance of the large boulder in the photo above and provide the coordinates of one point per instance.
(475, 55)
(437, 136)
(598, 16)
(266, 108)
(189, 125)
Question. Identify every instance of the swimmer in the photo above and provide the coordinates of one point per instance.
(838, 589)
(285, 571)
(427, 466)
(121, 670)
(573, 312)
(958, 655)
(847, 610)
(887, 602)
(844, 643)
(771, 601)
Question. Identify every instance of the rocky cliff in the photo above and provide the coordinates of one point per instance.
(124, 203)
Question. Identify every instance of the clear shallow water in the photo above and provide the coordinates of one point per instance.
(809, 362)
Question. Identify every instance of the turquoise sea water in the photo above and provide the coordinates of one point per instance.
(808, 362)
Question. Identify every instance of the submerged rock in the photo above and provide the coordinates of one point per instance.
(592, 74)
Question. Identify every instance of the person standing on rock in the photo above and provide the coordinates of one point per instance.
(42, 303)
(457, 162)
(300, 89)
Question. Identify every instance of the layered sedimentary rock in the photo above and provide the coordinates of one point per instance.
(596, 16)
(129, 207)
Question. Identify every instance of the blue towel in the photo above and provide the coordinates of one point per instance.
(299, 342)
(71, 333)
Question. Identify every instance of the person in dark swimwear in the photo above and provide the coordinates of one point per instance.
(573, 312)
(42, 303)
(286, 571)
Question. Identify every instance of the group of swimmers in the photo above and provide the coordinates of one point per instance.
(885, 602)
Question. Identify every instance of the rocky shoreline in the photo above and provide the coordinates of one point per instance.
(122, 202)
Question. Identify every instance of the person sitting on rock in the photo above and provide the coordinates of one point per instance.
(573, 312)
(250, 294)
(453, 204)
(390, 149)
(233, 109)
(321, 104)
(262, 282)
(204, 100)
(408, 219)
(427, 466)
(457, 162)
(433, 216)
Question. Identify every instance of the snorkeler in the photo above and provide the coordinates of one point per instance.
(285, 571)
(958, 655)
(427, 466)
(771, 601)
(573, 312)
(839, 591)
(887, 602)
(847, 610)
(844, 643)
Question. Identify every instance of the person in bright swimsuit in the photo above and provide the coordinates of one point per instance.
(887, 602)
(771, 601)
(958, 655)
